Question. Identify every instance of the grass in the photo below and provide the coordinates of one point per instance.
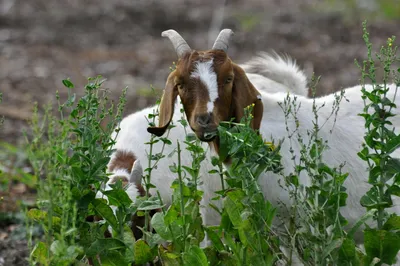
(69, 153)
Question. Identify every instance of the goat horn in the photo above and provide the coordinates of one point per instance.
(180, 45)
(222, 41)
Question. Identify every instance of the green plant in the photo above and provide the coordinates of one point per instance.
(70, 153)
(13, 159)
(181, 224)
(315, 230)
(246, 217)
(382, 242)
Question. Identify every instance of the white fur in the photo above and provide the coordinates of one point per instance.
(133, 136)
(344, 142)
(205, 72)
(273, 73)
(119, 172)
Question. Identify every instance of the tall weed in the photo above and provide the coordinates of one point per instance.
(382, 242)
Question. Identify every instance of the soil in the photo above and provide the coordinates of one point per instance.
(43, 42)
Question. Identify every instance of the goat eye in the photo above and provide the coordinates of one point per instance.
(180, 86)
(228, 80)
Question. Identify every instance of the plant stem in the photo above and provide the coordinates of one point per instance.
(147, 181)
(163, 211)
(181, 193)
(221, 176)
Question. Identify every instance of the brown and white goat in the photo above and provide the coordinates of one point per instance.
(213, 89)
(267, 72)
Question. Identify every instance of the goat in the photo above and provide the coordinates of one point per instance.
(268, 73)
(128, 170)
(213, 89)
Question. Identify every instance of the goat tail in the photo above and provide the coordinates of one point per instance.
(281, 69)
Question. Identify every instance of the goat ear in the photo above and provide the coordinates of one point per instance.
(166, 110)
(136, 173)
(243, 95)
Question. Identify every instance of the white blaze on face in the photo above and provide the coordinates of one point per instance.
(204, 71)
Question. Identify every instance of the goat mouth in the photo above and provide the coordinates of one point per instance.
(208, 136)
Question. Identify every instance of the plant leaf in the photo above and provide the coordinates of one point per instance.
(113, 258)
(381, 244)
(393, 223)
(234, 207)
(360, 221)
(142, 252)
(158, 224)
(40, 252)
(67, 83)
(215, 239)
(102, 244)
(106, 212)
(195, 256)
(331, 247)
(393, 144)
(118, 197)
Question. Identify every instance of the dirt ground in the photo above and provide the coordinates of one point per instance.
(43, 42)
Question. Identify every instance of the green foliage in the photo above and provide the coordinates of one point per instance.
(247, 217)
(181, 224)
(382, 242)
(14, 158)
(71, 152)
(315, 231)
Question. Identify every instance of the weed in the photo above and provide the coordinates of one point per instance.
(382, 242)
(69, 154)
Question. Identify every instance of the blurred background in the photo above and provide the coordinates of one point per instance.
(43, 42)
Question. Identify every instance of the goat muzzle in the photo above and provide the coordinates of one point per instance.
(203, 120)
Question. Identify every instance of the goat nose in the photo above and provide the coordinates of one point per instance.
(203, 120)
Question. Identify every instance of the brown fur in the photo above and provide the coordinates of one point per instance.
(122, 160)
(235, 92)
